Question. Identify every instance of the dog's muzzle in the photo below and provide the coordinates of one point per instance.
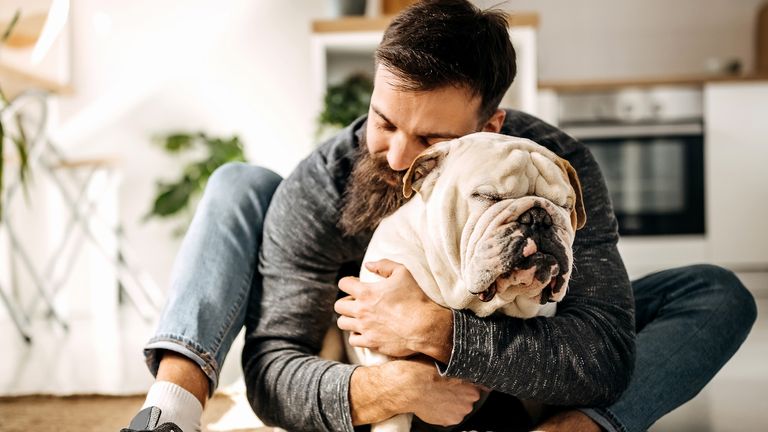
(533, 254)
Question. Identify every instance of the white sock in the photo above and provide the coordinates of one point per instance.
(176, 404)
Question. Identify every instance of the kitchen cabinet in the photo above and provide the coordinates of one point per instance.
(736, 146)
(345, 46)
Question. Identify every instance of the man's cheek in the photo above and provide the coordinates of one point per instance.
(376, 141)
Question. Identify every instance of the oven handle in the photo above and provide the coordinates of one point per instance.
(631, 131)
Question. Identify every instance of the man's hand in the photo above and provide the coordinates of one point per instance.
(402, 386)
(394, 316)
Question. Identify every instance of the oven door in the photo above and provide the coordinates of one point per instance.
(654, 174)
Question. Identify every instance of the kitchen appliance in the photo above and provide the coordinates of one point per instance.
(649, 143)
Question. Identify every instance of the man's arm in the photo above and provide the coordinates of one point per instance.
(582, 356)
(287, 384)
(401, 386)
(585, 354)
(301, 254)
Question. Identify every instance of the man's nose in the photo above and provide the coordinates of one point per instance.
(402, 153)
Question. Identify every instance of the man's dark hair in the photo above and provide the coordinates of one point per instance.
(438, 43)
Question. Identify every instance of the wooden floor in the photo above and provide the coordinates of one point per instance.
(99, 414)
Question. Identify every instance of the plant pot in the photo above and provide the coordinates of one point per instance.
(348, 7)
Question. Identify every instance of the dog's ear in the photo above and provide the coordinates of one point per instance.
(578, 213)
(425, 164)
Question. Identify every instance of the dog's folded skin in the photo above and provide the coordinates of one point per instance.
(491, 230)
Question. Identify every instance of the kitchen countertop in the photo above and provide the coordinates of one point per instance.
(563, 86)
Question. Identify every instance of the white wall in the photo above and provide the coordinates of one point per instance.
(637, 38)
(239, 67)
(145, 67)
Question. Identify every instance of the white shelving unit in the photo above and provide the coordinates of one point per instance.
(345, 46)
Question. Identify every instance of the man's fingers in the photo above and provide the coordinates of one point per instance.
(357, 340)
(348, 324)
(346, 306)
(383, 268)
(351, 285)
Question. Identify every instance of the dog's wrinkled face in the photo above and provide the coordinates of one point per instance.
(507, 209)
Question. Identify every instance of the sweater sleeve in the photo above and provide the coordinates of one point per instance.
(287, 384)
(585, 354)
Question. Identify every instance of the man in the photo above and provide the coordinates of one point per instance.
(442, 68)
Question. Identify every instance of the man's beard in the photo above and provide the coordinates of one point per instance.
(374, 191)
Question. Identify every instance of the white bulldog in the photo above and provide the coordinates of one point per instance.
(491, 231)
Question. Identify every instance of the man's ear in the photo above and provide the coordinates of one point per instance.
(578, 213)
(425, 164)
(496, 121)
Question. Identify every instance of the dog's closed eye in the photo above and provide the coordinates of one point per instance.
(488, 197)
(485, 197)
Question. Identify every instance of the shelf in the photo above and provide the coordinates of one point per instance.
(74, 164)
(25, 32)
(103, 162)
(612, 84)
(15, 81)
(365, 24)
(351, 24)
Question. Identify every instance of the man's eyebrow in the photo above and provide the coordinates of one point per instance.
(427, 135)
(380, 114)
(447, 135)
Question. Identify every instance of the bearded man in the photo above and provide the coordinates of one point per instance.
(268, 255)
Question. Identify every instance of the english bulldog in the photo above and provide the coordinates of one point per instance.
(490, 230)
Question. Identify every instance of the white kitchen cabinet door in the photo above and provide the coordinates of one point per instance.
(736, 173)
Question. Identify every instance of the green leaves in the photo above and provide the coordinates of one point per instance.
(176, 143)
(176, 197)
(20, 142)
(347, 101)
(173, 197)
(11, 25)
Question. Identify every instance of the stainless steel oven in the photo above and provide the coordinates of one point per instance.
(649, 144)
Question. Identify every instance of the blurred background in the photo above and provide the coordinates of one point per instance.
(115, 113)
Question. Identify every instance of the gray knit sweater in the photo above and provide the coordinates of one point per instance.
(581, 357)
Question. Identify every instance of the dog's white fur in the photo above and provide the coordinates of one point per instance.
(469, 189)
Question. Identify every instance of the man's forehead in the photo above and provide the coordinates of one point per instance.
(399, 102)
(424, 129)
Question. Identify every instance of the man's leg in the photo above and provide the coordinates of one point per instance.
(689, 322)
(215, 271)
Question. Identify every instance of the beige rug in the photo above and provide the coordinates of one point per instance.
(223, 413)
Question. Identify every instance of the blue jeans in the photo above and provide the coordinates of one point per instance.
(690, 320)
(216, 270)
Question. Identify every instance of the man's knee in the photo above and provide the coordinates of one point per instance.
(237, 182)
(239, 175)
(726, 294)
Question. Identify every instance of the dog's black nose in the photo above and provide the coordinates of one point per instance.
(536, 218)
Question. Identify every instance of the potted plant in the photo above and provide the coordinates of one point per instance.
(11, 129)
(344, 102)
(180, 196)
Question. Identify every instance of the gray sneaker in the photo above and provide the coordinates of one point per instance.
(146, 421)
